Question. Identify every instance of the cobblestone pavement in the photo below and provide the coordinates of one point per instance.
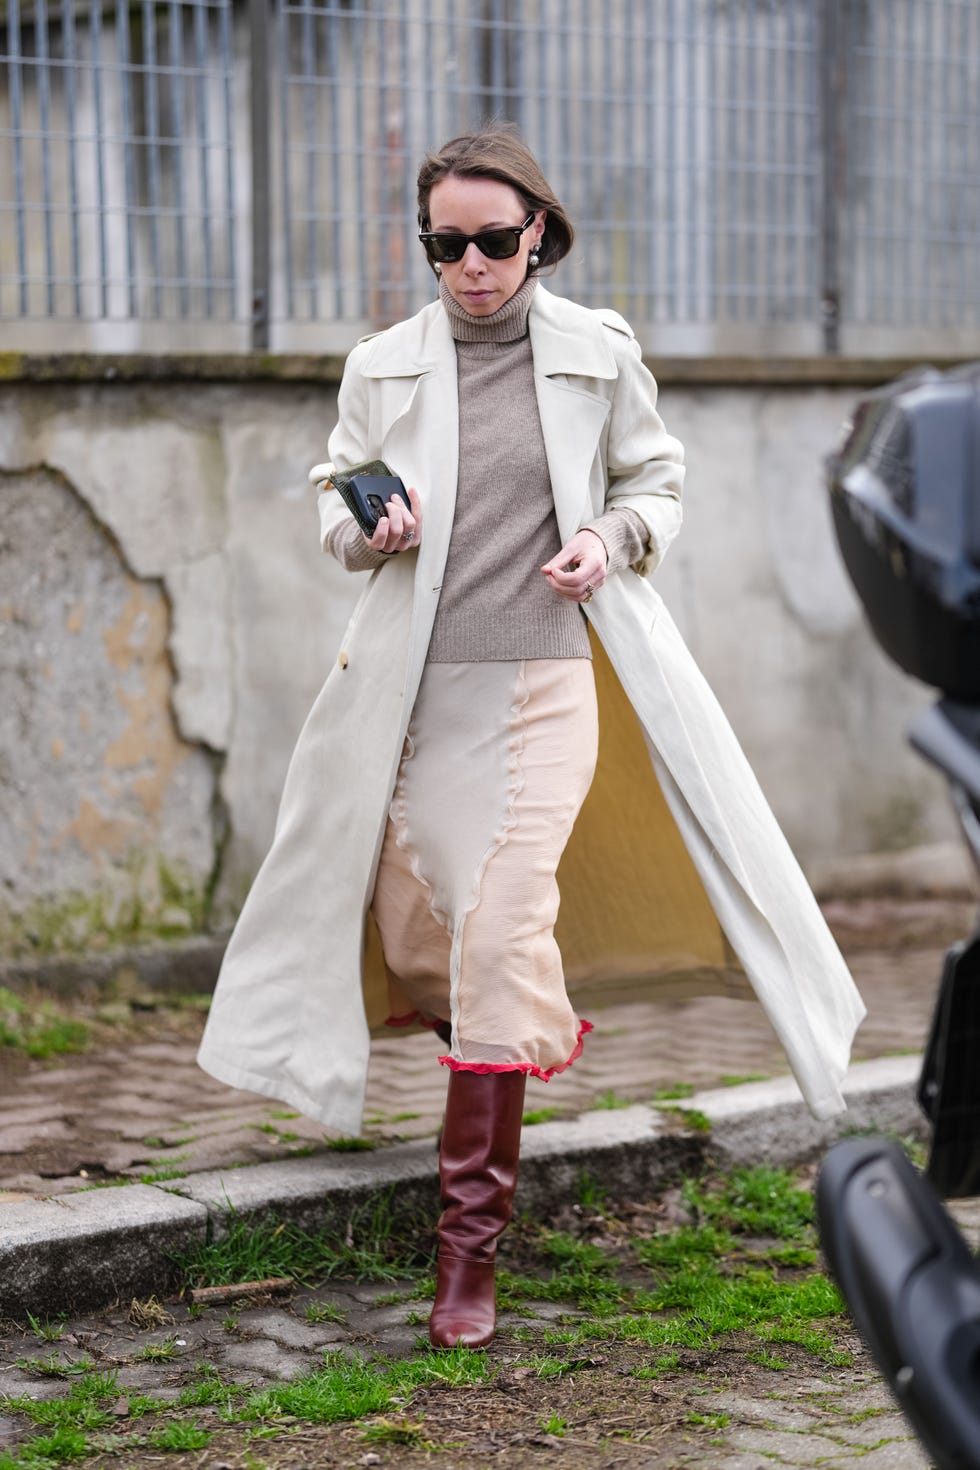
(138, 1106)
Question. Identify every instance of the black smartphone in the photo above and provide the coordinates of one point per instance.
(369, 494)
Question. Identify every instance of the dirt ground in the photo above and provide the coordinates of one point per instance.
(740, 1402)
(609, 1418)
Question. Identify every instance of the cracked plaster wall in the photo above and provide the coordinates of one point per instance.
(167, 619)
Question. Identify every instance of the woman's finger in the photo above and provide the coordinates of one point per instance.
(400, 527)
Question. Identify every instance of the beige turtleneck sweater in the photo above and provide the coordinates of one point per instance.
(495, 603)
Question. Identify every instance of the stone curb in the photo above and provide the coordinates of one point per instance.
(180, 967)
(81, 1251)
(933, 870)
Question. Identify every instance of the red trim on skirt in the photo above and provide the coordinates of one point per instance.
(414, 1018)
(484, 1067)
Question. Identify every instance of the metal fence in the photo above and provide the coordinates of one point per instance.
(744, 175)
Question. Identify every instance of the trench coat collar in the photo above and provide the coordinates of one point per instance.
(566, 339)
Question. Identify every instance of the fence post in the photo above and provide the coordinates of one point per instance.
(259, 65)
(833, 140)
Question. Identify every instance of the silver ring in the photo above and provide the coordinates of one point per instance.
(589, 589)
(408, 535)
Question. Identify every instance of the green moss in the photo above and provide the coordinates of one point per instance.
(158, 901)
(897, 824)
(37, 1029)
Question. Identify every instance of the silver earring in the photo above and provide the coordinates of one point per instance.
(534, 259)
(437, 268)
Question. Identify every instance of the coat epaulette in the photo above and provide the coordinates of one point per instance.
(614, 321)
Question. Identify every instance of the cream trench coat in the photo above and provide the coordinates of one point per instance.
(288, 1018)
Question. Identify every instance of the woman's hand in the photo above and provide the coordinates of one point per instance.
(579, 569)
(401, 528)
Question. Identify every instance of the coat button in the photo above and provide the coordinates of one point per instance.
(342, 659)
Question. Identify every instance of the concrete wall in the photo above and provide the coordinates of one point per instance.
(166, 619)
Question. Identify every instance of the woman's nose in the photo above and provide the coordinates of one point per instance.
(473, 260)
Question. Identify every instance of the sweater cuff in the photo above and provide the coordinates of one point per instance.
(346, 542)
(624, 536)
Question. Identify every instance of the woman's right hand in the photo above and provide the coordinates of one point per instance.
(401, 528)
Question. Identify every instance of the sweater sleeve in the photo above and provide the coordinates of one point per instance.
(343, 538)
(623, 535)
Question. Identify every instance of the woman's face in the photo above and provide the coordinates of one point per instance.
(467, 206)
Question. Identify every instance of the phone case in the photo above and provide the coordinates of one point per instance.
(363, 486)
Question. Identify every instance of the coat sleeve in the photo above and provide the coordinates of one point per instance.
(644, 464)
(340, 534)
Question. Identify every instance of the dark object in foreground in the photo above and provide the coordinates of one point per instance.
(913, 1289)
(903, 491)
(905, 494)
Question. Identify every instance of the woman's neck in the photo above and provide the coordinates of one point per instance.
(507, 324)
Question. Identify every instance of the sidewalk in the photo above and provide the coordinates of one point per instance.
(138, 1111)
(138, 1107)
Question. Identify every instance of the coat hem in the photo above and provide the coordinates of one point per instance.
(348, 1123)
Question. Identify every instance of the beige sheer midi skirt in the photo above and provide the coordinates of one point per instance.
(498, 760)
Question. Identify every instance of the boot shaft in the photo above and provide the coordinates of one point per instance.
(478, 1160)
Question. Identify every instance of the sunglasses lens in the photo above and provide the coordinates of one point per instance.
(498, 244)
(444, 249)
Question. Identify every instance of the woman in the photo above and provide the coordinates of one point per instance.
(453, 746)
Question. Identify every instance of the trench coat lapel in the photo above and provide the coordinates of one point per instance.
(572, 415)
(420, 440)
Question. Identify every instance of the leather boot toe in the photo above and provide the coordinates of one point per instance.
(465, 1313)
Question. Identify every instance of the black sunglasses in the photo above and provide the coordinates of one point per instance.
(502, 244)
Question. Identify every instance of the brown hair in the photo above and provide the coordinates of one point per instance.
(499, 152)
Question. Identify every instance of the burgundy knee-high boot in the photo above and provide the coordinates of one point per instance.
(478, 1159)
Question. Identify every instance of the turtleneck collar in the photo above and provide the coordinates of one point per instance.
(507, 324)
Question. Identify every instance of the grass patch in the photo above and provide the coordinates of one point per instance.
(579, 1273)
(591, 1194)
(539, 1115)
(760, 1201)
(348, 1389)
(691, 1119)
(164, 1170)
(745, 1267)
(47, 1329)
(316, 1312)
(37, 1029)
(675, 1090)
(367, 1250)
(666, 1363)
(398, 1432)
(159, 1352)
(179, 1434)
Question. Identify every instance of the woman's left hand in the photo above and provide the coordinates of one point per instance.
(579, 569)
